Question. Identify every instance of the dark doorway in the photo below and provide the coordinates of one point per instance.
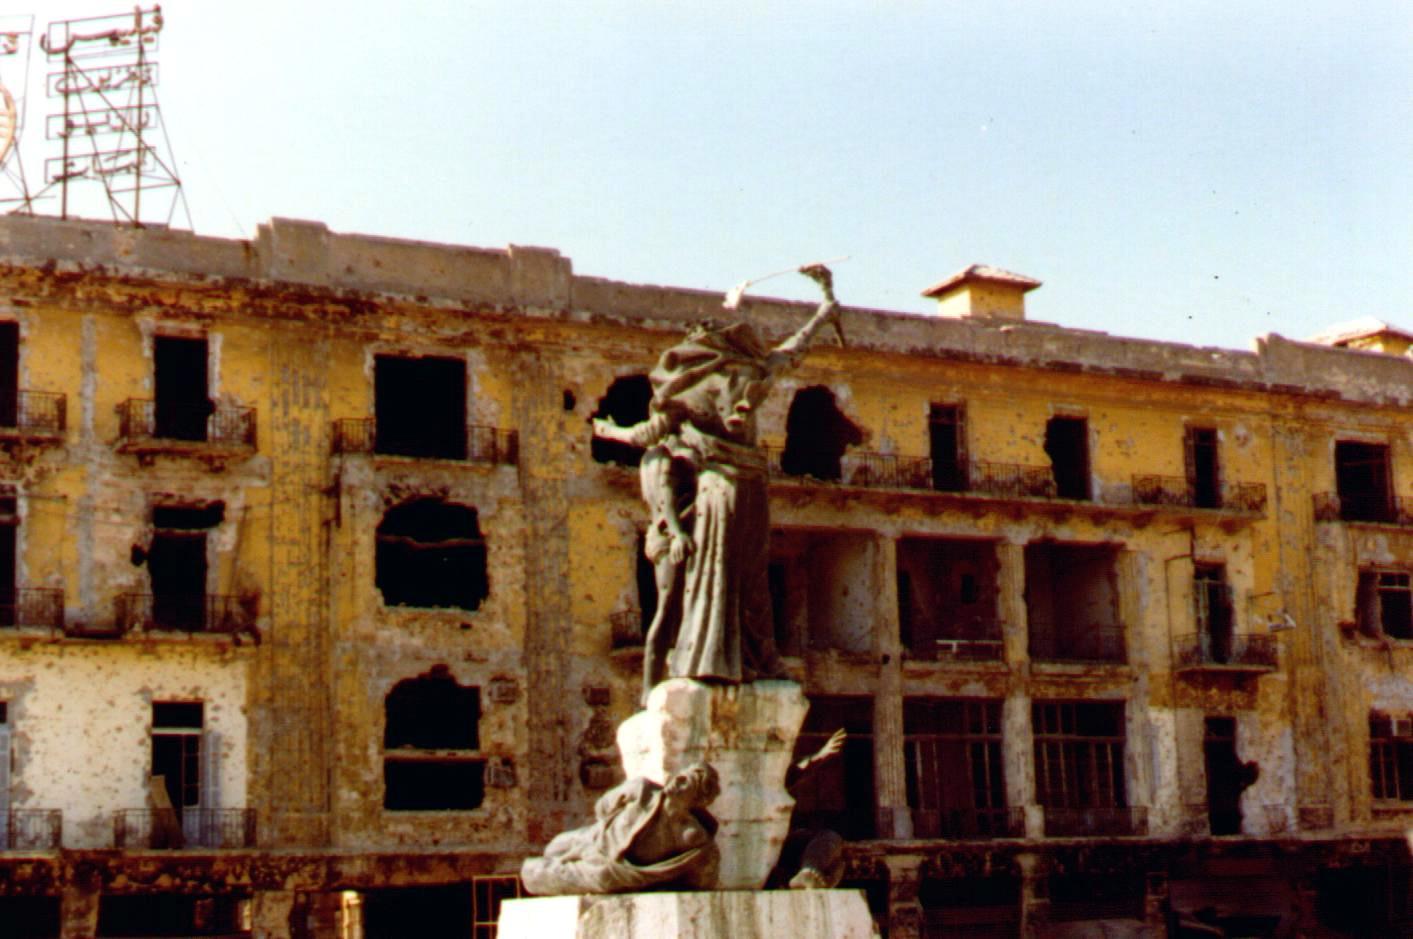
(1225, 776)
(816, 435)
(176, 749)
(183, 397)
(9, 528)
(9, 374)
(946, 430)
(838, 794)
(1067, 445)
(1212, 612)
(150, 915)
(431, 553)
(30, 917)
(176, 564)
(442, 912)
(1362, 480)
(625, 404)
(1203, 469)
(419, 407)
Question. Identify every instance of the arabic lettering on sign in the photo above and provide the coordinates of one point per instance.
(105, 79)
(99, 165)
(9, 43)
(63, 40)
(93, 123)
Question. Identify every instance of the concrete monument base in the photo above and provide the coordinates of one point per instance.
(714, 914)
(747, 732)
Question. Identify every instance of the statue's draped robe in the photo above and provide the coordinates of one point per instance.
(594, 859)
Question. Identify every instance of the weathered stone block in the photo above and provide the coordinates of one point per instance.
(747, 732)
(744, 914)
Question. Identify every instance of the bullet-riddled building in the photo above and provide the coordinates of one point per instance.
(319, 606)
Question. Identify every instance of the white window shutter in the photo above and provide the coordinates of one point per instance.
(210, 770)
(4, 768)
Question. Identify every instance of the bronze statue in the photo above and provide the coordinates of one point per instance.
(644, 837)
(704, 479)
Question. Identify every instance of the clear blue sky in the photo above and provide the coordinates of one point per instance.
(1197, 171)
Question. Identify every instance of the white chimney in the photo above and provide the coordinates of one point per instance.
(983, 293)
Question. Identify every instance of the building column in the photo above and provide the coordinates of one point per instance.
(890, 787)
(1034, 894)
(78, 911)
(1017, 741)
(270, 913)
(904, 911)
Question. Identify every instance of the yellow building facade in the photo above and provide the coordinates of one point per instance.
(312, 527)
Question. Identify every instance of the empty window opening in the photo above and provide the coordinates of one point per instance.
(1384, 604)
(1363, 481)
(1391, 757)
(954, 770)
(430, 553)
(419, 406)
(9, 531)
(177, 751)
(1212, 612)
(1204, 481)
(431, 745)
(30, 917)
(971, 906)
(816, 435)
(439, 912)
(1067, 445)
(9, 374)
(568, 401)
(1361, 901)
(171, 914)
(837, 794)
(625, 404)
(946, 431)
(183, 397)
(177, 564)
(1227, 775)
(1079, 756)
(646, 576)
(1076, 898)
(1072, 602)
(4, 772)
(822, 590)
(947, 598)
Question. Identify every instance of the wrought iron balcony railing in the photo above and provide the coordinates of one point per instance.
(1104, 644)
(627, 628)
(34, 414)
(872, 470)
(1363, 507)
(1252, 652)
(1096, 823)
(31, 829)
(187, 612)
(184, 828)
(1179, 492)
(150, 423)
(969, 824)
(969, 642)
(33, 606)
(483, 444)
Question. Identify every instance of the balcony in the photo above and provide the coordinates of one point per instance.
(225, 614)
(483, 444)
(1374, 508)
(1243, 654)
(1096, 823)
(201, 429)
(626, 628)
(31, 829)
(1179, 492)
(1087, 645)
(870, 470)
(34, 606)
(160, 829)
(969, 824)
(36, 416)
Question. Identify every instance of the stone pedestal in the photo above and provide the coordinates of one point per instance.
(717, 914)
(747, 732)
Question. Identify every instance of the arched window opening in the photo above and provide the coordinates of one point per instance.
(430, 553)
(431, 745)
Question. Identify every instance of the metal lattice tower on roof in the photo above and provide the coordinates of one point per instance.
(105, 121)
